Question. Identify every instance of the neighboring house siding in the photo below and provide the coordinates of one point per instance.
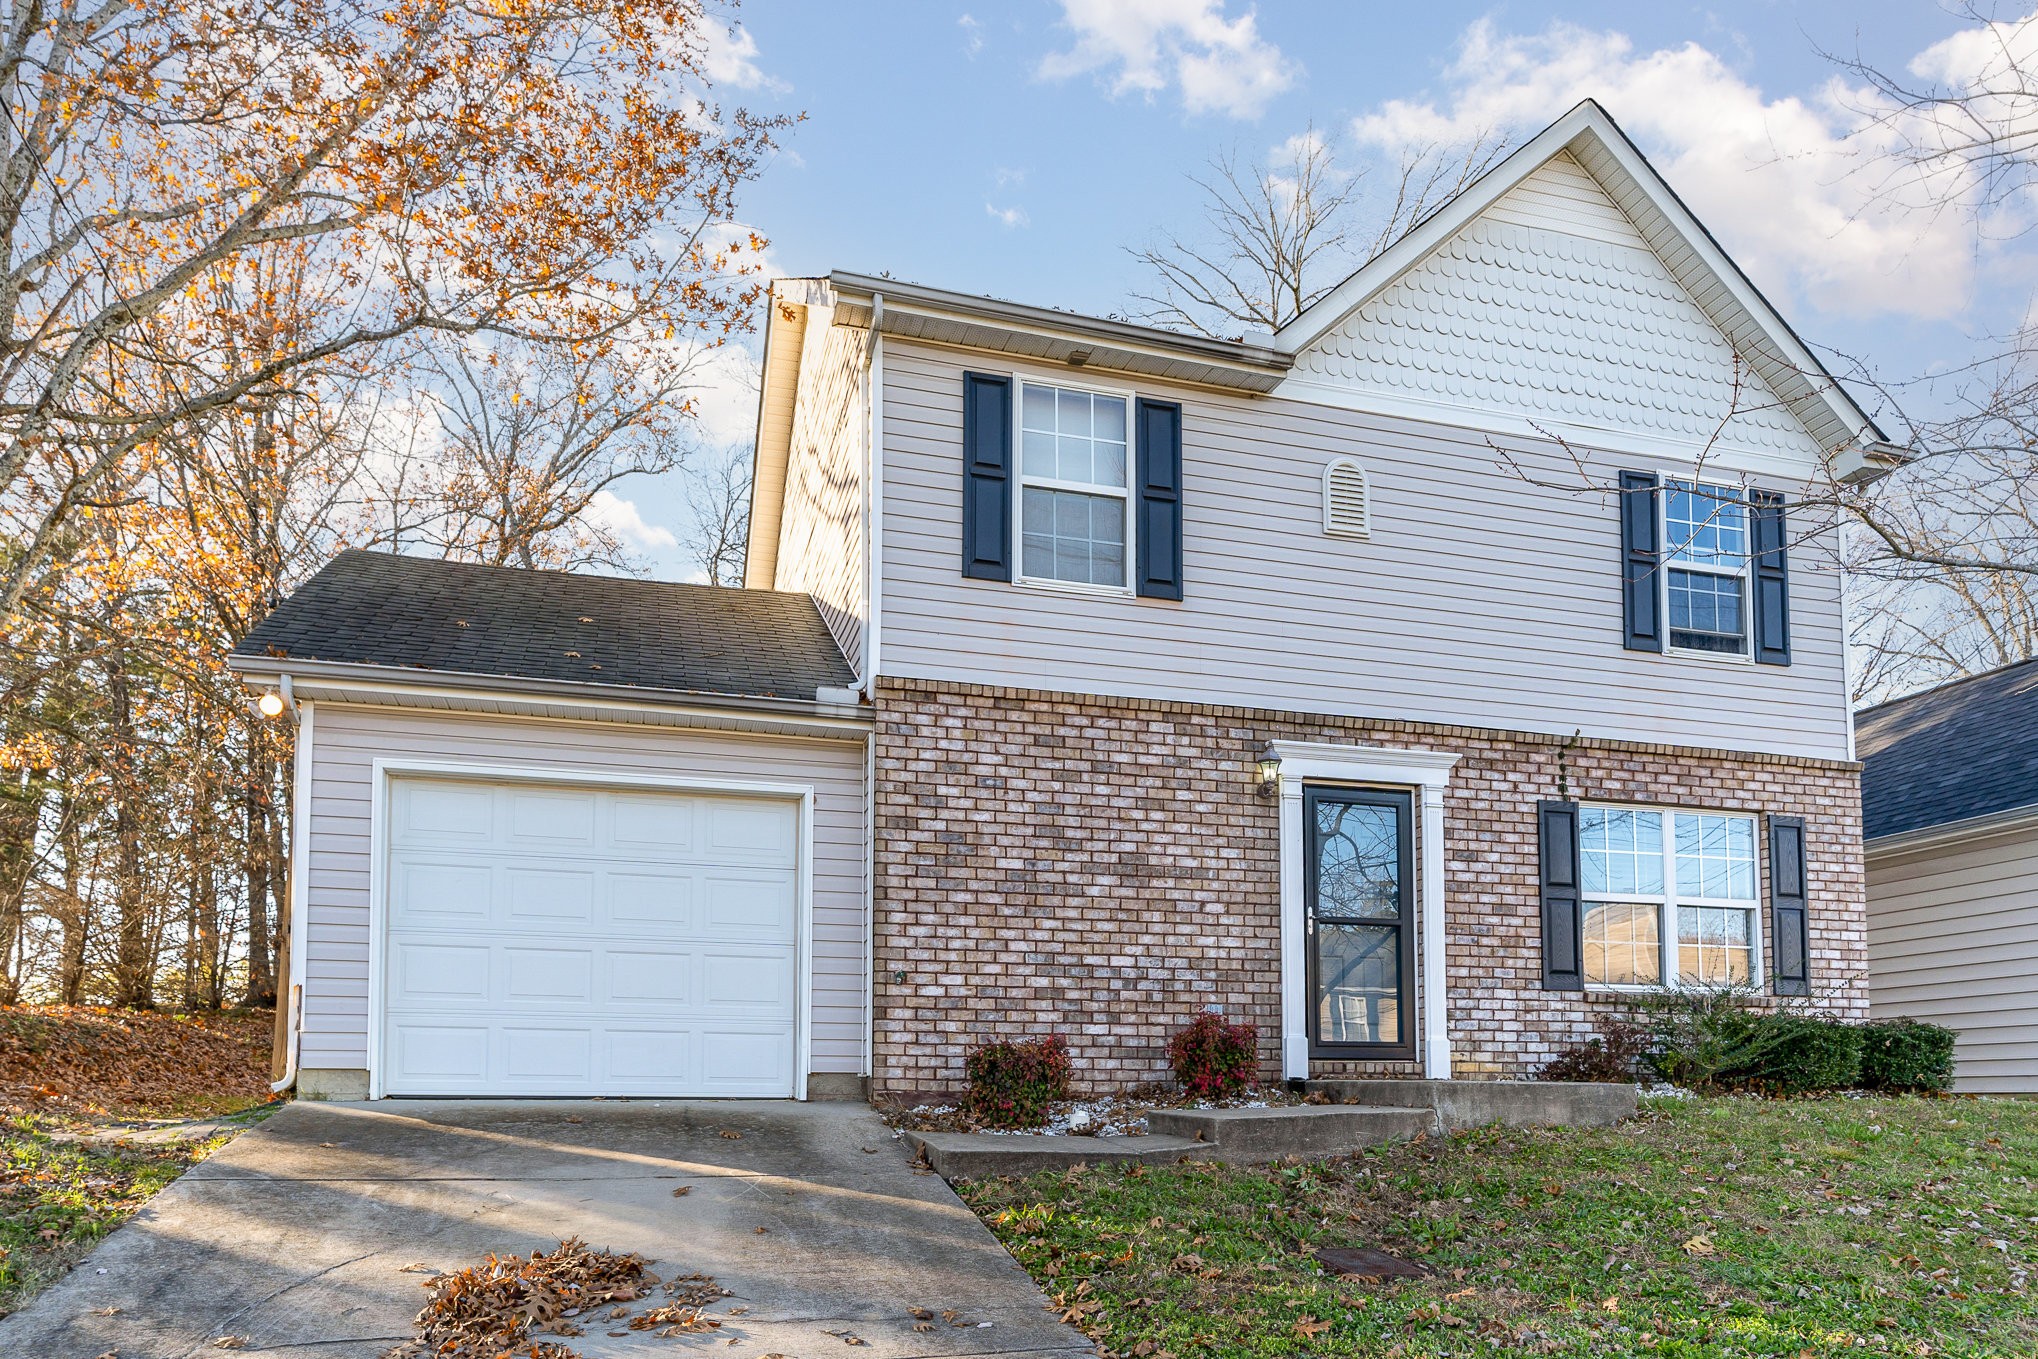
(1953, 938)
(1104, 869)
(820, 543)
(1480, 599)
(1551, 307)
(349, 739)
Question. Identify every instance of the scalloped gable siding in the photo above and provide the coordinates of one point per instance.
(1551, 307)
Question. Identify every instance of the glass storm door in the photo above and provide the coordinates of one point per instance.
(1360, 928)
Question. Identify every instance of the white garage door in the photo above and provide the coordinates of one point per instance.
(549, 940)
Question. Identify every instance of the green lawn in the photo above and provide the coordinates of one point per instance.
(1706, 1227)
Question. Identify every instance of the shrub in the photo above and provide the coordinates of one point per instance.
(1800, 1055)
(1212, 1058)
(1906, 1054)
(1011, 1084)
(1615, 1055)
(1697, 1038)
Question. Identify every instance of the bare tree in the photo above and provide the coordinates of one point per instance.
(719, 496)
(1279, 236)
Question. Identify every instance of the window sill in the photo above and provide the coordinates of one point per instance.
(1730, 658)
(1070, 587)
(1667, 989)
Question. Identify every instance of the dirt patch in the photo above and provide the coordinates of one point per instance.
(92, 1064)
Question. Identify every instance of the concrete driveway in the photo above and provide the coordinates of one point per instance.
(302, 1234)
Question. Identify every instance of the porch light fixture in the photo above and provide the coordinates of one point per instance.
(271, 704)
(1268, 771)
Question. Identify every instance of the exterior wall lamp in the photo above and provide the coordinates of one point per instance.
(271, 704)
(1268, 772)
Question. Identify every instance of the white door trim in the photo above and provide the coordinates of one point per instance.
(1429, 773)
(386, 768)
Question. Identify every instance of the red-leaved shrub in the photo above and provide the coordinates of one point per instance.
(1011, 1084)
(1212, 1058)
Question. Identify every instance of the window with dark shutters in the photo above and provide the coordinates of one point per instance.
(1159, 533)
(986, 476)
(1789, 943)
(1772, 577)
(1641, 553)
(1563, 948)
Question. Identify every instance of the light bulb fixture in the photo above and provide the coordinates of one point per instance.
(1268, 771)
(271, 704)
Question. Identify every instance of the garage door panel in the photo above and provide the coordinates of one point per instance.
(761, 906)
(549, 975)
(442, 813)
(553, 894)
(758, 832)
(665, 825)
(429, 973)
(664, 899)
(421, 889)
(563, 941)
(643, 977)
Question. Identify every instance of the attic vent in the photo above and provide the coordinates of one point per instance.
(1347, 500)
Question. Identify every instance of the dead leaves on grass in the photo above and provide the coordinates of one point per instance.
(89, 1060)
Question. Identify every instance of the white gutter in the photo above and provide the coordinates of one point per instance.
(873, 594)
(1954, 832)
(295, 906)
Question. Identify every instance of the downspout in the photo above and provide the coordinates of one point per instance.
(873, 538)
(300, 883)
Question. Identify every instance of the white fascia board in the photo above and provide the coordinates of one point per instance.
(2006, 822)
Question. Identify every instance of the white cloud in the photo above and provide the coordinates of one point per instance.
(1008, 217)
(972, 35)
(1142, 47)
(1786, 182)
(622, 518)
(723, 383)
(730, 59)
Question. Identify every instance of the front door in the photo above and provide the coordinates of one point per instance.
(1360, 854)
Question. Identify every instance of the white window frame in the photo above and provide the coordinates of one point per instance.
(1021, 481)
(1667, 904)
(1745, 575)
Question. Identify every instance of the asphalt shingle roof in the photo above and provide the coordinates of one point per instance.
(1963, 750)
(415, 613)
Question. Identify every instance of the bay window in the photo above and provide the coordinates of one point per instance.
(1669, 895)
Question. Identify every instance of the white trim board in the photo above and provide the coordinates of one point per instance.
(1428, 772)
(387, 768)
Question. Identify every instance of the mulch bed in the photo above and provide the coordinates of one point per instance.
(1120, 1115)
(91, 1063)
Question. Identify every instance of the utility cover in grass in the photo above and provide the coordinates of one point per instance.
(1370, 1265)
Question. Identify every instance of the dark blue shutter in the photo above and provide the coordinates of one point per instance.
(1563, 908)
(1789, 944)
(1641, 598)
(1159, 492)
(1772, 578)
(986, 476)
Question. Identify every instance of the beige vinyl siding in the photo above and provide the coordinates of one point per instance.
(348, 739)
(1953, 938)
(1482, 598)
(820, 543)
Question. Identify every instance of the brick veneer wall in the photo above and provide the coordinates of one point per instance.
(1103, 868)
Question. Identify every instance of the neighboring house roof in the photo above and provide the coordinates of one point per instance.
(1733, 304)
(457, 618)
(1964, 750)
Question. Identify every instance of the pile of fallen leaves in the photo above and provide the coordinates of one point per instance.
(93, 1062)
(489, 1310)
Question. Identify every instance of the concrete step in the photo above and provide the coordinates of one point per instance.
(968, 1156)
(1249, 1136)
(1472, 1104)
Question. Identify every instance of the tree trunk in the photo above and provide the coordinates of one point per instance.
(75, 920)
(134, 983)
(261, 988)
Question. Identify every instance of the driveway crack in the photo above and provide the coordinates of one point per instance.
(225, 1326)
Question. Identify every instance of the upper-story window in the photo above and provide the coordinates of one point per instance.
(1668, 895)
(1074, 501)
(1706, 568)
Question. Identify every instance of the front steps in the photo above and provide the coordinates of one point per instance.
(1360, 1114)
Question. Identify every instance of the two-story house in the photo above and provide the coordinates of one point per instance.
(1409, 683)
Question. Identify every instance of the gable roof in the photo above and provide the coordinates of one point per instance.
(499, 622)
(1960, 751)
(1715, 283)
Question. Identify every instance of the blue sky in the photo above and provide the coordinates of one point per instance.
(1016, 148)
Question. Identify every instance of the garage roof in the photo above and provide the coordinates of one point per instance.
(1963, 750)
(420, 614)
